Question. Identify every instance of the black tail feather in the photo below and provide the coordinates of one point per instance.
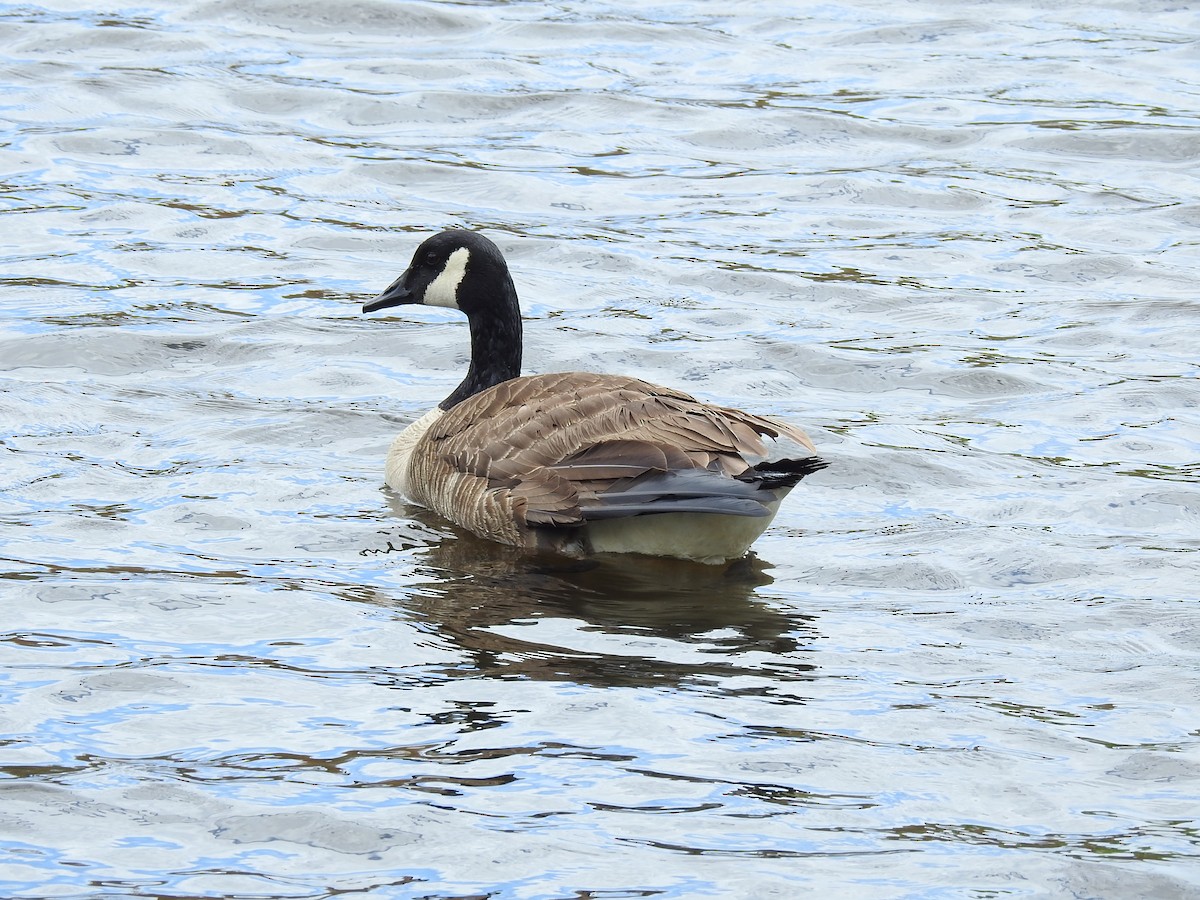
(779, 473)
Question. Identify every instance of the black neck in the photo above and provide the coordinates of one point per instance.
(495, 345)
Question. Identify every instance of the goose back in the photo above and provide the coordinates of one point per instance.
(535, 460)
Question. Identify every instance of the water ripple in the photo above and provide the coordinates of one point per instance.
(955, 244)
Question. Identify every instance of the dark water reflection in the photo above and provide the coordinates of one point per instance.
(485, 599)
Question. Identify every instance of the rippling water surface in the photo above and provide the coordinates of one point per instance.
(956, 241)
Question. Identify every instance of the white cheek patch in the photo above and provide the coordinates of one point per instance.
(443, 290)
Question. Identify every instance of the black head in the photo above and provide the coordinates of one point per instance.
(457, 269)
(463, 270)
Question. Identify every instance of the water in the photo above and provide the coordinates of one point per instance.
(956, 242)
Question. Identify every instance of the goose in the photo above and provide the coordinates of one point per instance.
(575, 462)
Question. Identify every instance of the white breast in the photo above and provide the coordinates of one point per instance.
(400, 454)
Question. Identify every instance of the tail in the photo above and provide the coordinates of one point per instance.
(782, 473)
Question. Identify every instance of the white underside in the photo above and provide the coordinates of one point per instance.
(701, 537)
(395, 469)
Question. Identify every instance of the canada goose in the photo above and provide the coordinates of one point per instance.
(576, 462)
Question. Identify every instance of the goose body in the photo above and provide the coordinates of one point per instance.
(578, 462)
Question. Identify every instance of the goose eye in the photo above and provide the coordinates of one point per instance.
(431, 258)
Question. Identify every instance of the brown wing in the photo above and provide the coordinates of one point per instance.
(552, 450)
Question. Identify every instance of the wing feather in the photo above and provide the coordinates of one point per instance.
(560, 450)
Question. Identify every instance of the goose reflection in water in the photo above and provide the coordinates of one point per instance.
(624, 620)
